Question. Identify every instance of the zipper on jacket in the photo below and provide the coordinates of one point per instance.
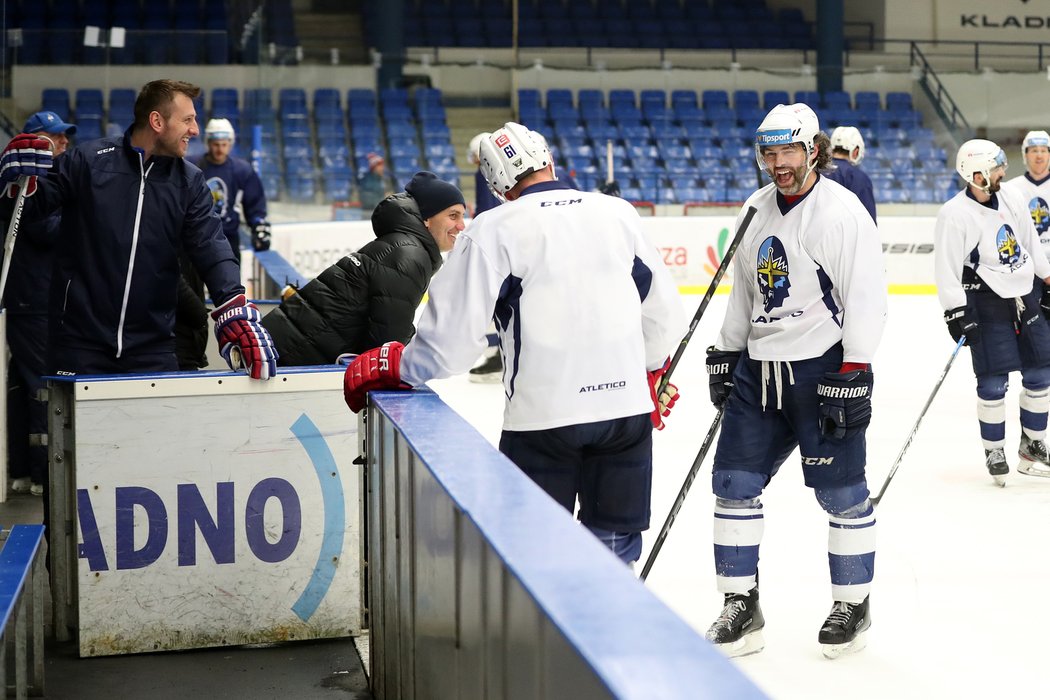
(134, 247)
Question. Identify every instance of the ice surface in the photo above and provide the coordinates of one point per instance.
(958, 606)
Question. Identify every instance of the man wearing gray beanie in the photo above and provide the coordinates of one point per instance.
(370, 297)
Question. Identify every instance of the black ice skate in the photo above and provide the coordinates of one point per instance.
(995, 460)
(845, 630)
(738, 630)
(488, 372)
(1034, 459)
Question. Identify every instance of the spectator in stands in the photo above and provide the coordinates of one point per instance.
(25, 298)
(374, 186)
(370, 297)
(1034, 184)
(234, 184)
(847, 151)
(587, 313)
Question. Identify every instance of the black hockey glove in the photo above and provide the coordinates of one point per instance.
(960, 323)
(845, 402)
(261, 236)
(720, 367)
(1044, 302)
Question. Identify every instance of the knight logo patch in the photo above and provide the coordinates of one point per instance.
(772, 271)
(1040, 214)
(1007, 246)
(220, 197)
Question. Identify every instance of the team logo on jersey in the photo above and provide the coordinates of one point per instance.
(772, 273)
(1007, 246)
(220, 196)
(1040, 214)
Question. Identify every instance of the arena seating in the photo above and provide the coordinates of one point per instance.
(312, 149)
(690, 147)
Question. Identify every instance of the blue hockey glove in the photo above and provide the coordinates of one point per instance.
(720, 367)
(27, 155)
(960, 323)
(845, 402)
(243, 341)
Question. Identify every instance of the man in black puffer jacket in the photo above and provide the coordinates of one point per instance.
(370, 297)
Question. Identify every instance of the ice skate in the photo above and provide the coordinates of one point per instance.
(738, 630)
(488, 372)
(845, 630)
(1034, 459)
(995, 460)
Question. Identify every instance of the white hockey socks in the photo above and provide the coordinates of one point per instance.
(737, 536)
(851, 553)
(992, 415)
(1034, 406)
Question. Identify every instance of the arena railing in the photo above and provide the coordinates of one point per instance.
(480, 585)
(22, 578)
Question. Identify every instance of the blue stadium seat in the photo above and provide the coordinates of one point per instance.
(56, 100)
(772, 98)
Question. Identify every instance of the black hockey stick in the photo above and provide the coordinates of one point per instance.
(915, 428)
(665, 380)
(12, 233)
(704, 448)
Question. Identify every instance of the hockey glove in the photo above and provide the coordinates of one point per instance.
(720, 367)
(26, 155)
(372, 370)
(665, 401)
(261, 235)
(243, 341)
(845, 402)
(1044, 302)
(960, 323)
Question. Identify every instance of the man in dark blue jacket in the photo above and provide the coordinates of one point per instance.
(129, 205)
(847, 151)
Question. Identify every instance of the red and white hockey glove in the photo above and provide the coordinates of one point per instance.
(243, 341)
(663, 403)
(27, 155)
(372, 370)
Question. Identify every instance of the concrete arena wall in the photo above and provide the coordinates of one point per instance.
(691, 246)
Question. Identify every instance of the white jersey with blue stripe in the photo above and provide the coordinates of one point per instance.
(1036, 193)
(582, 301)
(999, 243)
(806, 276)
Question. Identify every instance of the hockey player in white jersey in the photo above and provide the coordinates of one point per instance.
(587, 315)
(792, 368)
(1033, 185)
(991, 272)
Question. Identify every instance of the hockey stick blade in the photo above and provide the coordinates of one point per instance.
(719, 273)
(704, 448)
(12, 234)
(915, 428)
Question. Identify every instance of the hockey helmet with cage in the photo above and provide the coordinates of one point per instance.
(510, 154)
(848, 138)
(474, 147)
(1034, 138)
(795, 123)
(979, 156)
(219, 129)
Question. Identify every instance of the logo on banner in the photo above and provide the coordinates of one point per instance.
(190, 515)
(716, 255)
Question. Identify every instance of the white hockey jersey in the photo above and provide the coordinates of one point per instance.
(806, 277)
(999, 244)
(1036, 193)
(583, 303)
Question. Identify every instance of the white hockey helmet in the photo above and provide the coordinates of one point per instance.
(848, 138)
(474, 147)
(509, 154)
(979, 156)
(795, 123)
(1034, 138)
(218, 129)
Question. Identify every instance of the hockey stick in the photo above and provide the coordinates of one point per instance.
(751, 211)
(12, 233)
(915, 428)
(704, 448)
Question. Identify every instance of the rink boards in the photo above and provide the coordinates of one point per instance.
(691, 246)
